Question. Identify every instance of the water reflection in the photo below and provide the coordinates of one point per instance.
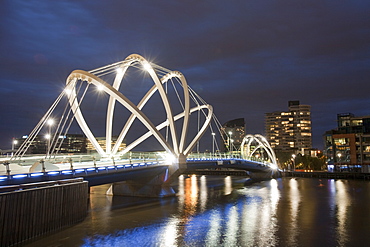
(232, 226)
(342, 202)
(220, 211)
(191, 195)
(266, 228)
(251, 221)
(170, 232)
(228, 185)
(213, 234)
(104, 203)
(203, 193)
(258, 215)
(181, 192)
(295, 199)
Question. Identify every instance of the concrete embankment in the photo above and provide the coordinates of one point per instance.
(330, 175)
(31, 210)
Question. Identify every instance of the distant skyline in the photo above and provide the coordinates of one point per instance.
(245, 58)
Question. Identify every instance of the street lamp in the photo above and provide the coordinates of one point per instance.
(6, 164)
(14, 142)
(50, 123)
(213, 143)
(229, 140)
(231, 147)
(339, 155)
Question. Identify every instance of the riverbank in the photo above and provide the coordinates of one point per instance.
(330, 175)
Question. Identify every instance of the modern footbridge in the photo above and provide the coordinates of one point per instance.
(186, 121)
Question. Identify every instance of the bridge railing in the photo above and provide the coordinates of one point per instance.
(219, 155)
(80, 158)
(77, 172)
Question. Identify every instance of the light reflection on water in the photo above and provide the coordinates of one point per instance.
(342, 202)
(220, 211)
(249, 221)
(295, 200)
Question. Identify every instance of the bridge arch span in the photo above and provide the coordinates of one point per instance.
(252, 144)
(177, 147)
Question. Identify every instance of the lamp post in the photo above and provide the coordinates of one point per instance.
(70, 163)
(229, 140)
(339, 161)
(14, 142)
(213, 143)
(339, 155)
(6, 164)
(42, 165)
(50, 123)
(231, 147)
(94, 160)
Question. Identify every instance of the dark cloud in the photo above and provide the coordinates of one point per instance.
(245, 58)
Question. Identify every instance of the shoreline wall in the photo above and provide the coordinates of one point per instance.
(28, 211)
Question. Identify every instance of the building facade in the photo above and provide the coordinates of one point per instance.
(102, 143)
(348, 146)
(69, 143)
(233, 133)
(290, 131)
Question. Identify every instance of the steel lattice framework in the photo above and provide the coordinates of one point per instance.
(178, 146)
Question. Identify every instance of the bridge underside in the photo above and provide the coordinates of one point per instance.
(255, 170)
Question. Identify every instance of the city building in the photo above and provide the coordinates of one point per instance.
(290, 131)
(233, 133)
(69, 143)
(103, 144)
(348, 146)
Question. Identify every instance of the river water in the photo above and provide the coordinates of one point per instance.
(223, 211)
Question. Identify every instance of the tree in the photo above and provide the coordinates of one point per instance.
(306, 162)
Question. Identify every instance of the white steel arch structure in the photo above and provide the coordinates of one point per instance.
(178, 146)
(252, 143)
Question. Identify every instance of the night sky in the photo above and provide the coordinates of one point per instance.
(243, 57)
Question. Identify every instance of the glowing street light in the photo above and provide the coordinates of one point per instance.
(100, 87)
(50, 122)
(293, 159)
(14, 142)
(147, 66)
(68, 91)
(339, 155)
(229, 141)
(213, 143)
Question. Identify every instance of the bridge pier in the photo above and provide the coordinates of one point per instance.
(145, 187)
(265, 175)
(157, 185)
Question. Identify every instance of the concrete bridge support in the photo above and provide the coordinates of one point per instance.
(265, 175)
(153, 185)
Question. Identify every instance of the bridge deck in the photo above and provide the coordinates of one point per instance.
(114, 173)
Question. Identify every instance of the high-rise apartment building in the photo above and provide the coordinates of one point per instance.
(233, 134)
(290, 130)
(348, 146)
